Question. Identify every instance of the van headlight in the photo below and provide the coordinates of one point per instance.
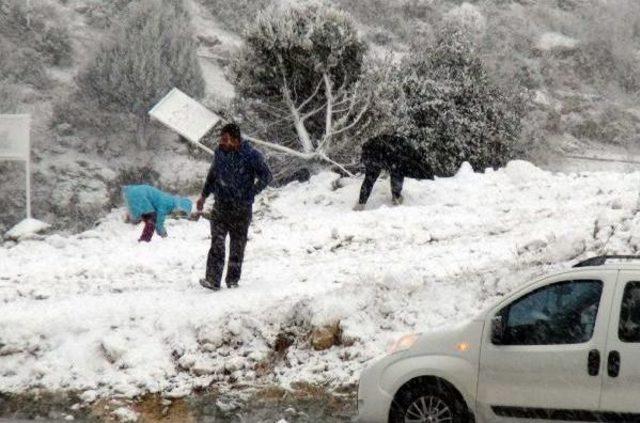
(403, 343)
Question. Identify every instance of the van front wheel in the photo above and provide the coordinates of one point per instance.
(427, 404)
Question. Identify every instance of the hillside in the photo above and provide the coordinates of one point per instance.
(325, 288)
(577, 60)
(79, 168)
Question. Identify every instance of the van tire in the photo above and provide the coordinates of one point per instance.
(439, 395)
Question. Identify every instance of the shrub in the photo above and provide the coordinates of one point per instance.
(453, 111)
(151, 51)
(101, 14)
(22, 65)
(236, 15)
(54, 43)
(39, 28)
(82, 112)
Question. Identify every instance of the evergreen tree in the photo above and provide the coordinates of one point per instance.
(151, 51)
(301, 74)
(453, 111)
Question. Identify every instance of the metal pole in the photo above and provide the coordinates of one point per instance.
(203, 147)
(28, 170)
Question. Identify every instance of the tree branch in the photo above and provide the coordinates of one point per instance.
(356, 119)
(341, 91)
(333, 162)
(273, 110)
(280, 148)
(278, 114)
(338, 111)
(313, 112)
(352, 103)
(298, 121)
(328, 128)
(294, 153)
(304, 103)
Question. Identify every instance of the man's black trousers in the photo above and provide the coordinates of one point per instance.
(233, 220)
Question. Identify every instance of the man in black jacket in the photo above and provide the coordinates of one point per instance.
(238, 173)
(397, 155)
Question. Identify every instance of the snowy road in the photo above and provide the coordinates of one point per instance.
(98, 312)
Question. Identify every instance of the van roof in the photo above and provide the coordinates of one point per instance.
(611, 261)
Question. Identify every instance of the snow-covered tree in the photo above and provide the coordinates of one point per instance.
(151, 51)
(301, 73)
(381, 80)
(453, 111)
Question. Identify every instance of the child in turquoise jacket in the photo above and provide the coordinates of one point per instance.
(149, 204)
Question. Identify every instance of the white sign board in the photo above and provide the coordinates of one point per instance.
(184, 115)
(14, 137)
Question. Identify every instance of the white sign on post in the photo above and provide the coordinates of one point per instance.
(185, 116)
(14, 137)
(15, 145)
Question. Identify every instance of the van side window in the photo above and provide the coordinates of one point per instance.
(629, 328)
(560, 313)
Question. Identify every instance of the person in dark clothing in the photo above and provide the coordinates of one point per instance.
(399, 157)
(238, 173)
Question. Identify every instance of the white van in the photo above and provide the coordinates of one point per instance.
(563, 348)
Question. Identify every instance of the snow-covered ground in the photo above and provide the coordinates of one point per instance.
(27, 227)
(99, 312)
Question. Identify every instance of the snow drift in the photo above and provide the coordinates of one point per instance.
(26, 228)
(100, 313)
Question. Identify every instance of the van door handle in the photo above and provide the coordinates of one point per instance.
(593, 363)
(613, 364)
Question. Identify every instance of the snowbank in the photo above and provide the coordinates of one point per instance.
(26, 228)
(100, 313)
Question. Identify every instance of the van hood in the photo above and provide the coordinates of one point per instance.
(462, 340)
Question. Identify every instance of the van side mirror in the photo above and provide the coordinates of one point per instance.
(497, 330)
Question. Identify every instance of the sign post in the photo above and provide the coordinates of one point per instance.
(15, 145)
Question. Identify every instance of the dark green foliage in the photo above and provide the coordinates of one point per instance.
(296, 46)
(454, 112)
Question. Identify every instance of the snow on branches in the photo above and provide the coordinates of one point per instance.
(302, 70)
(453, 110)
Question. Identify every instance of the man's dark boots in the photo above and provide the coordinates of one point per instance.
(209, 284)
